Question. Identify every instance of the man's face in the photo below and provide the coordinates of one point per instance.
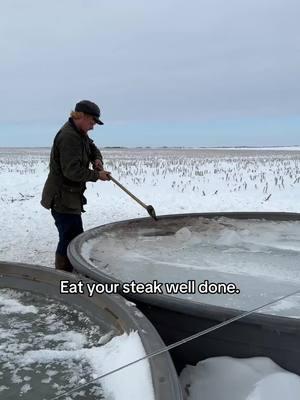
(87, 123)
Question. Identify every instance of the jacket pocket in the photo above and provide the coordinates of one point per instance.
(71, 197)
(48, 194)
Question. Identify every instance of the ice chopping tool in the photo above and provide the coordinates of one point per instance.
(149, 208)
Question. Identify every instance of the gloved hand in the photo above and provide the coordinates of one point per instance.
(104, 175)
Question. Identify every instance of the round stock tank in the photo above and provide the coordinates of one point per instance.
(191, 272)
(56, 341)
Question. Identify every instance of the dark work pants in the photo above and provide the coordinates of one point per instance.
(69, 226)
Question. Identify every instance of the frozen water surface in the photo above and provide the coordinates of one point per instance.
(261, 257)
(40, 347)
(48, 347)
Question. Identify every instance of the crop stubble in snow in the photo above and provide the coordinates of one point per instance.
(172, 180)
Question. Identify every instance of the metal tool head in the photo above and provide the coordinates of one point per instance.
(151, 212)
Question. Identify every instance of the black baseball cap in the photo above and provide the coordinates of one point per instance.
(90, 108)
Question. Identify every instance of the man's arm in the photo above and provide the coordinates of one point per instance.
(96, 156)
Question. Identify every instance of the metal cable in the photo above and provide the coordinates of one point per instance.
(178, 343)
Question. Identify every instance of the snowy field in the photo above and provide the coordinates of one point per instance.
(173, 181)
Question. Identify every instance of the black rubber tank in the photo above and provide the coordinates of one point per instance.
(143, 250)
(112, 312)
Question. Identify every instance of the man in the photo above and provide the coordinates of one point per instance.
(71, 155)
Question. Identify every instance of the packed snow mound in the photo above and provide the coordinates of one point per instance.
(226, 378)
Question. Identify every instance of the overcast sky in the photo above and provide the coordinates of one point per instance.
(175, 73)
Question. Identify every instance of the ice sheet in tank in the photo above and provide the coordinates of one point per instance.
(41, 347)
(261, 257)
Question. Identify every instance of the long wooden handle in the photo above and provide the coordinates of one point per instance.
(127, 191)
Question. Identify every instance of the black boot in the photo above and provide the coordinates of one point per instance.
(63, 263)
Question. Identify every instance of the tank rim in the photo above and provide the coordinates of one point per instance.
(178, 304)
(124, 317)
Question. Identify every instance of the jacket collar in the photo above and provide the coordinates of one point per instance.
(72, 123)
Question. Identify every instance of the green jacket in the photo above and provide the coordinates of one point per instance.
(71, 155)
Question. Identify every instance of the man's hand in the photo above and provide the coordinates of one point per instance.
(97, 164)
(104, 175)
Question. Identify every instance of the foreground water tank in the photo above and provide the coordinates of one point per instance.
(53, 342)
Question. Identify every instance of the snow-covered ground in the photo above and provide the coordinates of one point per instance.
(173, 181)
